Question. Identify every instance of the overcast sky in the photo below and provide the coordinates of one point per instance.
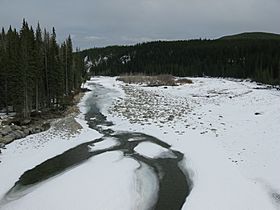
(95, 23)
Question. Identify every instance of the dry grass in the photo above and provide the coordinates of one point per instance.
(158, 80)
(184, 81)
(154, 81)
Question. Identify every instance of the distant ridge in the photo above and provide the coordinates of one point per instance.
(251, 35)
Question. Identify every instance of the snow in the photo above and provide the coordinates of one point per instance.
(232, 154)
(125, 59)
(136, 139)
(106, 181)
(86, 187)
(105, 144)
(150, 150)
(28, 152)
(145, 190)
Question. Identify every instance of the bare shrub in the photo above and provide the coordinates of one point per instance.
(165, 79)
(184, 81)
(133, 79)
(158, 80)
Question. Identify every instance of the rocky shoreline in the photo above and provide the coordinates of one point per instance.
(11, 132)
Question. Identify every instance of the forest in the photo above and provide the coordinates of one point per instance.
(248, 55)
(37, 73)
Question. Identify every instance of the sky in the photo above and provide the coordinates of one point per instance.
(98, 23)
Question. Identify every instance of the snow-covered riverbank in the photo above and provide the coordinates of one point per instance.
(26, 153)
(228, 131)
(107, 181)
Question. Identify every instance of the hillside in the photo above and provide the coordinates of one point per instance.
(252, 35)
(238, 56)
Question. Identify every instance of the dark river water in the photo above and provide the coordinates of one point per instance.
(174, 183)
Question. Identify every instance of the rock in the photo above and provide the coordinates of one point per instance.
(26, 131)
(19, 134)
(2, 145)
(9, 138)
(15, 127)
(46, 126)
(15, 134)
(34, 130)
(171, 117)
(22, 134)
(6, 130)
(37, 130)
(31, 130)
(25, 122)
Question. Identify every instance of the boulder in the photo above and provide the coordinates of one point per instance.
(32, 130)
(171, 117)
(26, 131)
(25, 122)
(5, 130)
(37, 129)
(15, 127)
(18, 134)
(22, 134)
(46, 126)
(2, 145)
(9, 138)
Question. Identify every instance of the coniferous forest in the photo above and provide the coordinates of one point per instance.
(37, 73)
(249, 55)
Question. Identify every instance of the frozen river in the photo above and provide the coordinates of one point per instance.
(171, 182)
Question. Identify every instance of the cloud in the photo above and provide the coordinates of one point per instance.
(108, 22)
(94, 38)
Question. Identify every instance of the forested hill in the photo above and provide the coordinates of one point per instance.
(36, 72)
(248, 55)
(253, 35)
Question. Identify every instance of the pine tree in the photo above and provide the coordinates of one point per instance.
(39, 75)
(35, 72)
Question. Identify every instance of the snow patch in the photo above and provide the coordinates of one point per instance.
(103, 182)
(213, 122)
(105, 144)
(150, 150)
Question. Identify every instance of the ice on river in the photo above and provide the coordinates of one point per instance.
(108, 181)
(152, 150)
(104, 182)
(227, 129)
(105, 144)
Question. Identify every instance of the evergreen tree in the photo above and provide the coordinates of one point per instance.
(240, 58)
(35, 72)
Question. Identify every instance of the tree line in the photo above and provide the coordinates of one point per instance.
(240, 57)
(37, 73)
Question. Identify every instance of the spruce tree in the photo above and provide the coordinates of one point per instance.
(35, 72)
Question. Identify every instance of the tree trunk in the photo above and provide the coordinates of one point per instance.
(6, 96)
(37, 97)
(47, 80)
(66, 73)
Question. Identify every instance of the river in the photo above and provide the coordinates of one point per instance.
(174, 184)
